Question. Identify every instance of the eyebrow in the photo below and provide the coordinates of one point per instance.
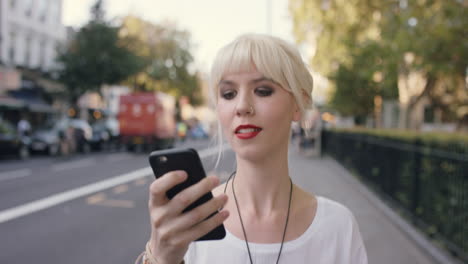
(261, 79)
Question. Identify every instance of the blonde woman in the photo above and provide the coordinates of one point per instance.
(260, 85)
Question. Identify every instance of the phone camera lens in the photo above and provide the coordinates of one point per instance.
(162, 159)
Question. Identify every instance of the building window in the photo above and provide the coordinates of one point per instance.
(42, 9)
(27, 54)
(28, 7)
(42, 51)
(12, 51)
(54, 13)
(12, 54)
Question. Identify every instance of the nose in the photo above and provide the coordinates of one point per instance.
(244, 108)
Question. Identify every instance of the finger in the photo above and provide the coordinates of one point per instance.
(204, 227)
(198, 214)
(161, 185)
(186, 197)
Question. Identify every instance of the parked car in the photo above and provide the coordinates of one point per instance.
(101, 138)
(82, 133)
(11, 143)
(46, 139)
(105, 134)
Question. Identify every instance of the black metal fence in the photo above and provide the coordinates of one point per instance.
(427, 182)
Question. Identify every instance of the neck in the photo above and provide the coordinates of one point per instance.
(262, 187)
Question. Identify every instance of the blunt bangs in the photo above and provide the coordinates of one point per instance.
(250, 52)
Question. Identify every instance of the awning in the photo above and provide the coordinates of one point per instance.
(10, 102)
(51, 86)
(40, 107)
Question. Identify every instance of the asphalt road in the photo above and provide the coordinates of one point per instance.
(93, 208)
(107, 226)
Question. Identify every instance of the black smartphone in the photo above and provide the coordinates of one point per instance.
(163, 161)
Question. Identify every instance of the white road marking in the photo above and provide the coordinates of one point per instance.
(73, 165)
(8, 175)
(66, 196)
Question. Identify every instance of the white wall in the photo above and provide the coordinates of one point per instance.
(33, 29)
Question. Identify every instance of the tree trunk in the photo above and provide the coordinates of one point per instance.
(430, 83)
(412, 87)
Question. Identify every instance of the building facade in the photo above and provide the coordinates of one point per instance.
(30, 32)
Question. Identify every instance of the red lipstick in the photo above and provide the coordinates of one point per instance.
(247, 131)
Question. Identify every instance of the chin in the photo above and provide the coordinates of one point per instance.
(253, 152)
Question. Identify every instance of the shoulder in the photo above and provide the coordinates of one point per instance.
(333, 208)
(335, 215)
(340, 222)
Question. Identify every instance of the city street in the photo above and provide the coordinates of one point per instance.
(374, 97)
(93, 208)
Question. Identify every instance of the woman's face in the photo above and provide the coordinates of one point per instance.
(255, 113)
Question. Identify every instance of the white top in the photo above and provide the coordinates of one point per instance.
(23, 126)
(333, 237)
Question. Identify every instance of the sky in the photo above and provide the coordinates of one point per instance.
(212, 23)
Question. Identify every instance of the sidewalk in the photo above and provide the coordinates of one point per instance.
(387, 237)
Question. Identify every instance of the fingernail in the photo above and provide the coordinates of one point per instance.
(225, 198)
(182, 174)
(224, 214)
(215, 182)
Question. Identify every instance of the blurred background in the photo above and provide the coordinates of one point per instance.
(89, 88)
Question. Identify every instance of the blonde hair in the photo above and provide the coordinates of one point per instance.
(275, 58)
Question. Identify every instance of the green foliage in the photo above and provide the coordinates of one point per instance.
(362, 83)
(95, 57)
(167, 55)
(142, 55)
(441, 138)
(359, 38)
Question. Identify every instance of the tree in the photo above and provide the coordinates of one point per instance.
(433, 55)
(340, 25)
(367, 76)
(420, 42)
(168, 60)
(96, 56)
(97, 11)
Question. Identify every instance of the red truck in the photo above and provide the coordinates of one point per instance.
(147, 120)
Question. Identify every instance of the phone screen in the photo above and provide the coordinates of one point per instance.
(164, 161)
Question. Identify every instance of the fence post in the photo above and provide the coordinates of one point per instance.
(416, 178)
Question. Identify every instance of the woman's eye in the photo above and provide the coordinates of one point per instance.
(264, 91)
(228, 95)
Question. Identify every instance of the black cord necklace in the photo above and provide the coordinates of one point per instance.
(242, 223)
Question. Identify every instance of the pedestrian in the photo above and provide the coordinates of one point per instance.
(24, 127)
(260, 86)
(182, 130)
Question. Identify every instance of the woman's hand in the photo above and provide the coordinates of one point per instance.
(171, 230)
